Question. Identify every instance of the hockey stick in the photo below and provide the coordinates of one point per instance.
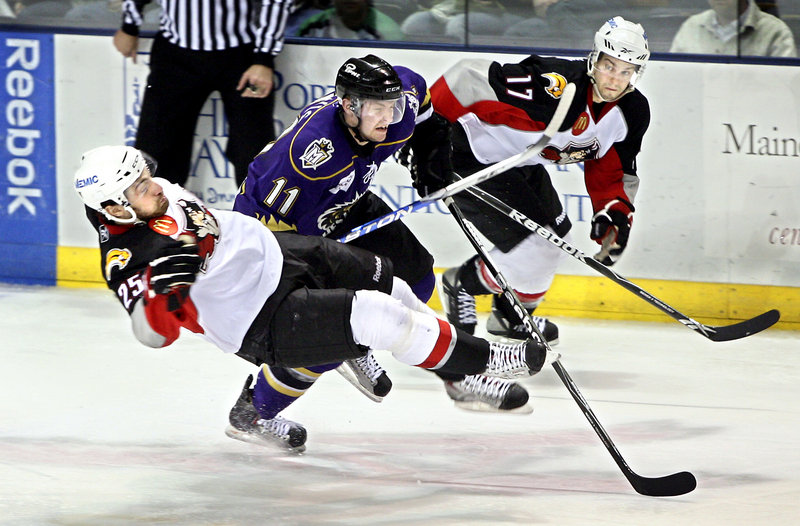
(667, 486)
(476, 178)
(717, 334)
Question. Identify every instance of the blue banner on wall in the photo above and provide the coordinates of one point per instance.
(28, 219)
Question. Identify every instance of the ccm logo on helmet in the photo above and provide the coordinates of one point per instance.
(80, 183)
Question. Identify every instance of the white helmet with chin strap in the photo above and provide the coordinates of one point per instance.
(618, 38)
(104, 175)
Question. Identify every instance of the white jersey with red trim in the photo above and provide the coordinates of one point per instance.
(241, 268)
(504, 108)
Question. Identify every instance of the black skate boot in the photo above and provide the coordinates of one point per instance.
(499, 325)
(484, 393)
(367, 375)
(517, 360)
(248, 426)
(458, 304)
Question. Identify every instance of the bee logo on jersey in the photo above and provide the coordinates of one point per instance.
(318, 152)
(116, 257)
(557, 84)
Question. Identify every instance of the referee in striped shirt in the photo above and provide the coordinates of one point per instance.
(204, 46)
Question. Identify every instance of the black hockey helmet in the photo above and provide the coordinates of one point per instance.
(368, 77)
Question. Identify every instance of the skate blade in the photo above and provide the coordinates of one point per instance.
(258, 440)
(483, 407)
(351, 377)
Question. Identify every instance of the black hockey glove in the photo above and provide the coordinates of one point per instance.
(174, 271)
(611, 228)
(428, 155)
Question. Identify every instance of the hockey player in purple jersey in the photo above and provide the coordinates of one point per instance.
(314, 180)
(271, 298)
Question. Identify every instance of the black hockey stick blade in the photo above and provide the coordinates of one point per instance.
(669, 486)
(717, 334)
(743, 328)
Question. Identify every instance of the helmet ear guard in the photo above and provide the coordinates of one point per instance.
(624, 40)
(104, 175)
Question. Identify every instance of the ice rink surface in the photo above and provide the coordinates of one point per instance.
(96, 429)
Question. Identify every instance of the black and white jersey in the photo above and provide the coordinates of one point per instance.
(241, 268)
(215, 25)
(504, 108)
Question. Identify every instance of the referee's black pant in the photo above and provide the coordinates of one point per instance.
(179, 83)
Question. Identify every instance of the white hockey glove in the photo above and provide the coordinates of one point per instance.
(611, 228)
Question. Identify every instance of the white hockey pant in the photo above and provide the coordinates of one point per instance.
(529, 267)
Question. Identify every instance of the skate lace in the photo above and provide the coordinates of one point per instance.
(486, 387)
(369, 367)
(277, 426)
(506, 357)
(467, 313)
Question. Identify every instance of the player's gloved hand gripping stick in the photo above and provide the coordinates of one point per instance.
(717, 334)
(477, 177)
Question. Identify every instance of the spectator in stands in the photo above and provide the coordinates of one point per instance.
(562, 23)
(30, 9)
(351, 19)
(735, 27)
(452, 20)
(108, 12)
(5, 10)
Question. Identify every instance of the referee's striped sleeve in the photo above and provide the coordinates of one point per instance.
(270, 30)
(132, 15)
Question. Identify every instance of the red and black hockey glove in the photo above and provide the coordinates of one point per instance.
(173, 271)
(611, 228)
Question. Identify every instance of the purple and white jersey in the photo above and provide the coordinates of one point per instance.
(309, 177)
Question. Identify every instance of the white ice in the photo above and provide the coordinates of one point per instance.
(97, 430)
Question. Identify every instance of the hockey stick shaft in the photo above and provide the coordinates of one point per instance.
(476, 178)
(671, 485)
(724, 333)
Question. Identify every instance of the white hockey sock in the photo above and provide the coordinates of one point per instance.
(415, 338)
(402, 291)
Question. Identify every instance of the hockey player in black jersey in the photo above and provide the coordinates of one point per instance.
(496, 111)
(271, 298)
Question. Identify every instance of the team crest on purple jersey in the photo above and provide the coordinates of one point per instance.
(317, 153)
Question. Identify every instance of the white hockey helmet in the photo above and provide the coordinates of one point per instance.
(104, 175)
(623, 40)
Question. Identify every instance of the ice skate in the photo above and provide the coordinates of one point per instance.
(518, 360)
(248, 426)
(484, 393)
(367, 375)
(457, 303)
(499, 326)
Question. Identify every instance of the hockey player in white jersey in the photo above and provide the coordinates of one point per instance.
(497, 110)
(270, 298)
